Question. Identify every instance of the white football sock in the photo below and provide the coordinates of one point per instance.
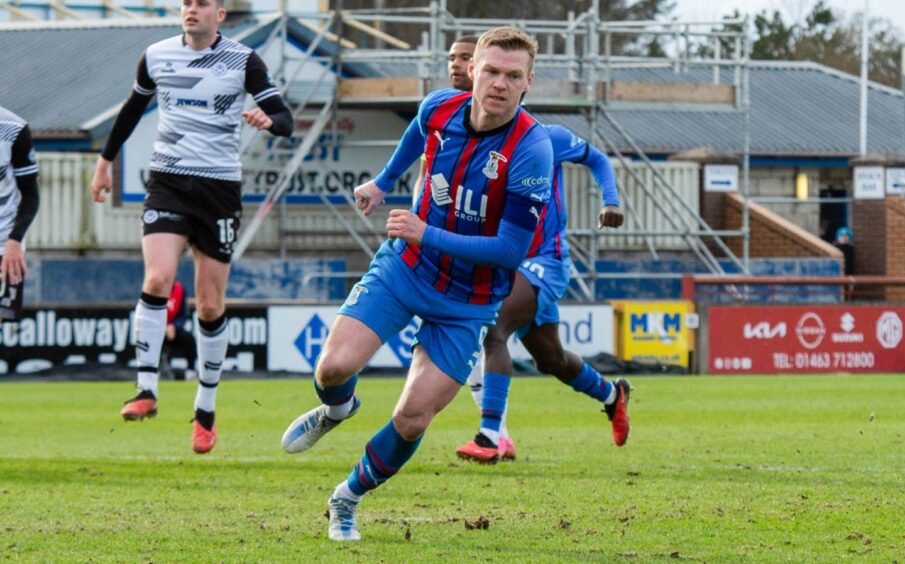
(148, 332)
(343, 491)
(211, 352)
(341, 411)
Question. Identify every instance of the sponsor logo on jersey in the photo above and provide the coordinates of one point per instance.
(440, 139)
(440, 190)
(219, 69)
(168, 68)
(535, 181)
(150, 216)
(468, 205)
(466, 201)
(190, 103)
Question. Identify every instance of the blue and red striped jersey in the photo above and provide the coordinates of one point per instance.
(474, 180)
(550, 237)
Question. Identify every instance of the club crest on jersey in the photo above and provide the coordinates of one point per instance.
(150, 216)
(357, 291)
(219, 69)
(493, 163)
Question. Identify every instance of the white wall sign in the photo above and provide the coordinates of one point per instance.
(720, 178)
(297, 335)
(895, 181)
(585, 330)
(869, 183)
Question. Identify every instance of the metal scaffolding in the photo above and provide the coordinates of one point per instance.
(573, 75)
(579, 72)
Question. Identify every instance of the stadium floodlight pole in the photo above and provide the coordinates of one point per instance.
(862, 147)
(746, 152)
(278, 189)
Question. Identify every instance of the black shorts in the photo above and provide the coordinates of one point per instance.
(11, 300)
(205, 210)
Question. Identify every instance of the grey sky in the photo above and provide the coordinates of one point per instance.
(792, 10)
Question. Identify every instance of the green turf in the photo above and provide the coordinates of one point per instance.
(718, 469)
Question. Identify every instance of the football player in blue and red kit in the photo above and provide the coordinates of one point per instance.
(450, 260)
(532, 312)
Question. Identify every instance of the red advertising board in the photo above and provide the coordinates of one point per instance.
(800, 339)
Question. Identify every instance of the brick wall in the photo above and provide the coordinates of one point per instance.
(869, 229)
(895, 245)
(773, 236)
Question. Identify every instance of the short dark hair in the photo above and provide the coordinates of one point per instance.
(508, 39)
(472, 39)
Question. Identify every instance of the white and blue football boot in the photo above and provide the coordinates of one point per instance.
(305, 431)
(343, 523)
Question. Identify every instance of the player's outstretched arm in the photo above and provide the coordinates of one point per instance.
(409, 149)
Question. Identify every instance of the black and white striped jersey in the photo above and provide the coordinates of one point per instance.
(17, 159)
(200, 96)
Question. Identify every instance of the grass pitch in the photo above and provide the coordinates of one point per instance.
(716, 469)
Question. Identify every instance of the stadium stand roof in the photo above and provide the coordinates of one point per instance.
(67, 79)
(797, 109)
(63, 76)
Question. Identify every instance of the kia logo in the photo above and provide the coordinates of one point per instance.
(764, 330)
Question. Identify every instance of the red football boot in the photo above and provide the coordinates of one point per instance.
(618, 411)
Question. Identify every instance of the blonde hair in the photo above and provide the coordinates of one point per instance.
(508, 39)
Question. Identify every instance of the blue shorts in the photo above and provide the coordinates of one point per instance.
(551, 278)
(390, 294)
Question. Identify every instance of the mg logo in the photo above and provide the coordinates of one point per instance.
(764, 330)
(889, 330)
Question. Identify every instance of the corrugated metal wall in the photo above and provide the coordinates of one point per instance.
(583, 199)
(69, 219)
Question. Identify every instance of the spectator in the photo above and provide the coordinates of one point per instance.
(844, 242)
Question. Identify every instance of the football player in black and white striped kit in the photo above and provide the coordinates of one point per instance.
(18, 207)
(194, 192)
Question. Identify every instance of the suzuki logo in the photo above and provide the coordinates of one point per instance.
(763, 330)
(847, 322)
